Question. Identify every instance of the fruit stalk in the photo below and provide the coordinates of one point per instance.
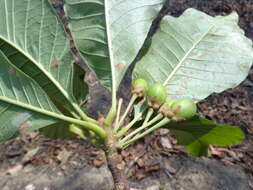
(127, 127)
(138, 136)
(116, 127)
(148, 116)
(133, 98)
(155, 119)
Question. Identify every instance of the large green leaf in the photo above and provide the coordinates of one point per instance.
(23, 104)
(196, 54)
(197, 133)
(33, 39)
(110, 33)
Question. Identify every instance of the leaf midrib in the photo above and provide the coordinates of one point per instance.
(109, 42)
(31, 108)
(186, 55)
(84, 124)
(111, 58)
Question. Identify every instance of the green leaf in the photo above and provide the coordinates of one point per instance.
(58, 130)
(33, 39)
(80, 88)
(196, 54)
(140, 108)
(197, 149)
(110, 33)
(23, 104)
(197, 133)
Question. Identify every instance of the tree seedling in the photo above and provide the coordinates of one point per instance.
(42, 72)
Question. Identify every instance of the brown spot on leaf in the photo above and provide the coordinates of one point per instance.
(184, 86)
(54, 63)
(193, 53)
(12, 70)
(120, 65)
(170, 97)
(239, 66)
(23, 128)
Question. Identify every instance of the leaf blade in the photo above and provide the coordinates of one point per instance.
(23, 104)
(35, 104)
(111, 27)
(197, 133)
(34, 40)
(196, 55)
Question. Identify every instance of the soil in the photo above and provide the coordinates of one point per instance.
(34, 162)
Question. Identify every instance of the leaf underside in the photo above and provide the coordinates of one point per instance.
(34, 40)
(36, 68)
(110, 33)
(196, 54)
(22, 102)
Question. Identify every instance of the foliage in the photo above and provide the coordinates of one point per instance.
(193, 56)
(195, 134)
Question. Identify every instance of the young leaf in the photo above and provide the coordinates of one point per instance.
(33, 39)
(197, 133)
(110, 33)
(196, 54)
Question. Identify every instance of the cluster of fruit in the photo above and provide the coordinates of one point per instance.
(156, 96)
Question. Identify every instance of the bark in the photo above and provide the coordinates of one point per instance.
(114, 161)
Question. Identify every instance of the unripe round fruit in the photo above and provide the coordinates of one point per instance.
(156, 95)
(184, 108)
(139, 87)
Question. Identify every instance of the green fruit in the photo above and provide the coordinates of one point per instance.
(156, 95)
(184, 108)
(139, 87)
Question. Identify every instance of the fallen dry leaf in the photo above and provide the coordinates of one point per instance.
(98, 162)
(14, 170)
(30, 154)
(63, 156)
(165, 142)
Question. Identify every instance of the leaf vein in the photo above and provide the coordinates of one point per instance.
(186, 55)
